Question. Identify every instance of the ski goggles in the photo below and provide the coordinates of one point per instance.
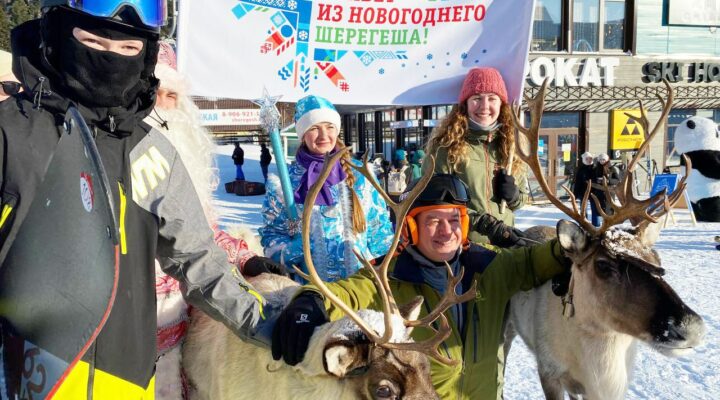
(444, 189)
(152, 13)
(11, 88)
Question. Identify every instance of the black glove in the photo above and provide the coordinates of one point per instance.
(504, 187)
(295, 325)
(257, 265)
(499, 234)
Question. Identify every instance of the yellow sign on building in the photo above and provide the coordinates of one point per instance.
(627, 133)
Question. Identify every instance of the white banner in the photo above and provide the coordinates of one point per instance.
(237, 116)
(352, 52)
(699, 13)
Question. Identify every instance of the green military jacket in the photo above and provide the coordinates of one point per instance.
(500, 273)
(477, 173)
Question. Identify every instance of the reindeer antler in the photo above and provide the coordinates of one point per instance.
(380, 274)
(629, 207)
(528, 152)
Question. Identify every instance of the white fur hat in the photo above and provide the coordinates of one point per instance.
(311, 110)
(603, 158)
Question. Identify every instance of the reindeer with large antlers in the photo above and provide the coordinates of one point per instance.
(366, 355)
(585, 340)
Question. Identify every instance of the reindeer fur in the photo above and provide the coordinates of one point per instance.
(584, 359)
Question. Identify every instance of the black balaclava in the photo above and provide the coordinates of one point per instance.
(96, 78)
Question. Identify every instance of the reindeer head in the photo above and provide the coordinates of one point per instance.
(387, 362)
(372, 371)
(617, 282)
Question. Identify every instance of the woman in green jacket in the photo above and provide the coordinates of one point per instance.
(437, 227)
(474, 143)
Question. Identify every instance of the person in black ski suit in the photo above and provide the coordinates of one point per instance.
(603, 172)
(265, 159)
(103, 65)
(238, 157)
(583, 176)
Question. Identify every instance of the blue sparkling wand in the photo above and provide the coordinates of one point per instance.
(269, 117)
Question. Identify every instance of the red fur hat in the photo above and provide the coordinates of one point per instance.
(483, 80)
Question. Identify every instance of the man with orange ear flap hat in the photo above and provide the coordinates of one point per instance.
(436, 231)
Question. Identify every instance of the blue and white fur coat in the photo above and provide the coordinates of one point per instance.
(331, 234)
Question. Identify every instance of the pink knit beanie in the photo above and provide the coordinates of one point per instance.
(483, 80)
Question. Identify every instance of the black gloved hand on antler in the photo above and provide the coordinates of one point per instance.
(504, 187)
(296, 325)
(499, 234)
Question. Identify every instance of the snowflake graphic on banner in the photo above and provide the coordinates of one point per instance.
(290, 24)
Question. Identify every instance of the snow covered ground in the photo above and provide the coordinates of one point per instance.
(688, 253)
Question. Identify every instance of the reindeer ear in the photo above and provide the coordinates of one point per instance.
(650, 234)
(411, 310)
(572, 237)
(346, 358)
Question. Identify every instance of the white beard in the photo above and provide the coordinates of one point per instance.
(194, 145)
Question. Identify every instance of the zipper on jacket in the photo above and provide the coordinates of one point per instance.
(435, 325)
(112, 123)
(461, 382)
(92, 351)
(488, 181)
(38, 94)
(475, 319)
(476, 326)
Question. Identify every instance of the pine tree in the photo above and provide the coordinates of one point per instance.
(4, 31)
(34, 7)
(20, 12)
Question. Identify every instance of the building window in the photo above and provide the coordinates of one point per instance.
(547, 26)
(586, 15)
(369, 133)
(556, 119)
(388, 135)
(716, 116)
(440, 112)
(413, 113)
(413, 133)
(583, 26)
(614, 25)
(674, 119)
